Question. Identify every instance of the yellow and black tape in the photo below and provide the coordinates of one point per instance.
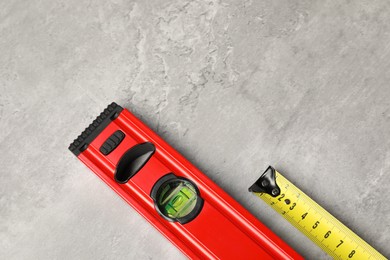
(311, 219)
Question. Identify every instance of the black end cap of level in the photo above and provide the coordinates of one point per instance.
(81, 143)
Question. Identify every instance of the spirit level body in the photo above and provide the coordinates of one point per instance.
(222, 229)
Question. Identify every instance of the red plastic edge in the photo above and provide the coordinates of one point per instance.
(223, 230)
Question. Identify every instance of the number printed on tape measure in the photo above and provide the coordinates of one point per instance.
(317, 224)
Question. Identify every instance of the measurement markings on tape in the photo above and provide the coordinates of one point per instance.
(311, 219)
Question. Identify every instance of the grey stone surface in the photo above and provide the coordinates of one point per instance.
(233, 85)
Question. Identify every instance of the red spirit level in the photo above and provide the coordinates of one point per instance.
(180, 201)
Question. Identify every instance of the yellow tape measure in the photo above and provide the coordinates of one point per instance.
(311, 219)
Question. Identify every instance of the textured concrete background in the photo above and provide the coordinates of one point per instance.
(233, 85)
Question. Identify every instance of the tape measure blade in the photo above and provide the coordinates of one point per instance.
(316, 223)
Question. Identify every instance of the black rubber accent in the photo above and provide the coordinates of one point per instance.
(170, 177)
(132, 161)
(95, 128)
(266, 183)
(112, 142)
